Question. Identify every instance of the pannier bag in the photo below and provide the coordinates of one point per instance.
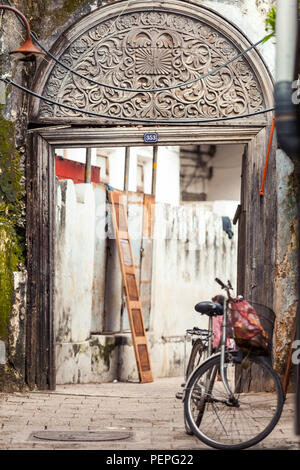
(248, 331)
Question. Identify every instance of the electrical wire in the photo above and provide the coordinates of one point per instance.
(127, 119)
(142, 90)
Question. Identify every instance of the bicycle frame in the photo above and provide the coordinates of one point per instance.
(206, 337)
(222, 346)
(223, 350)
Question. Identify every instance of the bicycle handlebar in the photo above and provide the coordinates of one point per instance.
(228, 288)
(220, 282)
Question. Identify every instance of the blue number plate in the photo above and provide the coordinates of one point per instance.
(151, 137)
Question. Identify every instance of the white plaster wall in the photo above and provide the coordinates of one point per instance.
(75, 243)
(168, 166)
(194, 251)
(144, 154)
(132, 179)
(116, 167)
(99, 261)
(168, 175)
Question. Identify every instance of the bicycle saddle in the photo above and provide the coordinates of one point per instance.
(209, 308)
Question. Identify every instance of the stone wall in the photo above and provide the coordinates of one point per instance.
(48, 20)
(286, 283)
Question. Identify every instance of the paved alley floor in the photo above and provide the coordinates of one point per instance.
(149, 413)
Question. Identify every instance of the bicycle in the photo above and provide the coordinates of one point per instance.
(234, 399)
(202, 348)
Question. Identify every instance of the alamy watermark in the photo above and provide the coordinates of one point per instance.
(296, 353)
(296, 93)
(190, 225)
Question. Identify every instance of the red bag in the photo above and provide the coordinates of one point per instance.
(248, 331)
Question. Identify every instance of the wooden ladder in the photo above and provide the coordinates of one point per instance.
(136, 321)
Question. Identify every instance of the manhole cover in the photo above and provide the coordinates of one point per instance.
(81, 435)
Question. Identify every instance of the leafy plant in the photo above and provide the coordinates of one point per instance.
(271, 22)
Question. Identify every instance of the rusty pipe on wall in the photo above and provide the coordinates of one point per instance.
(27, 48)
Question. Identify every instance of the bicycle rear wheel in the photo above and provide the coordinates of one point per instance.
(246, 419)
(198, 355)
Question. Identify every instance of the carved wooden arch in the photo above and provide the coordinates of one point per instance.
(169, 43)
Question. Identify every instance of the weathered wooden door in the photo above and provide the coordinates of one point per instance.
(257, 233)
(241, 219)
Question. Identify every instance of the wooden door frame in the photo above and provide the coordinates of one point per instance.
(40, 339)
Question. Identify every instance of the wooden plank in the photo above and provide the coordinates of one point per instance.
(242, 227)
(32, 238)
(51, 270)
(154, 171)
(148, 215)
(237, 214)
(42, 367)
(257, 230)
(40, 347)
(135, 231)
(119, 220)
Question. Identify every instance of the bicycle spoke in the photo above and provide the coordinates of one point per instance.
(214, 407)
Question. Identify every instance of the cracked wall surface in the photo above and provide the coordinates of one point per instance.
(286, 291)
(48, 19)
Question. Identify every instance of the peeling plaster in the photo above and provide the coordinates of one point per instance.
(286, 277)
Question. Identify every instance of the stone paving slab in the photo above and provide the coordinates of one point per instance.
(149, 412)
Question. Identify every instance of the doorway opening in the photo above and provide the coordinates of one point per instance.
(175, 30)
(181, 202)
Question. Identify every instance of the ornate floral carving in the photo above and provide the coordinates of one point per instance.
(146, 50)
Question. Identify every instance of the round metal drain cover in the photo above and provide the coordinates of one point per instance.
(81, 436)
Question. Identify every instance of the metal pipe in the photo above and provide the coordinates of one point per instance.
(286, 39)
(223, 348)
(18, 13)
(154, 171)
(126, 171)
(210, 338)
(286, 47)
(28, 47)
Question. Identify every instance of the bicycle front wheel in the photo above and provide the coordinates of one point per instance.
(240, 421)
